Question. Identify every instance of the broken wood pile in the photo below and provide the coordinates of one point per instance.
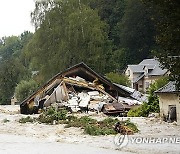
(80, 88)
(76, 94)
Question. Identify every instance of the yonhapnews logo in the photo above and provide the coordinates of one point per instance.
(122, 140)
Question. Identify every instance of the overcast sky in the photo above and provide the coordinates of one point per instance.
(15, 17)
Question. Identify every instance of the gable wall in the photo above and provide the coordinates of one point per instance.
(131, 75)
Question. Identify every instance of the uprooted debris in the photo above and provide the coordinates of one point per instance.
(91, 126)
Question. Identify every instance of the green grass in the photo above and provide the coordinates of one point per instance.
(52, 114)
(27, 119)
(6, 120)
(90, 126)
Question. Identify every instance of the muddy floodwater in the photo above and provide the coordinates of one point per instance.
(12, 144)
(36, 138)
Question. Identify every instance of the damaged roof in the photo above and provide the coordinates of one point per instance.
(134, 93)
(85, 72)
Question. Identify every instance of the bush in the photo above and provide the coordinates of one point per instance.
(108, 122)
(80, 122)
(27, 119)
(153, 101)
(51, 114)
(90, 126)
(95, 130)
(85, 120)
(72, 118)
(105, 127)
(24, 89)
(118, 78)
(141, 111)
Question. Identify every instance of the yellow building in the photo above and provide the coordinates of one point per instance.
(169, 102)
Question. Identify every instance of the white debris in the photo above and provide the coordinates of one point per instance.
(80, 79)
(96, 106)
(73, 101)
(84, 99)
(75, 109)
(60, 93)
(73, 78)
(93, 93)
(128, 101)
(98, 98)
(77, 79)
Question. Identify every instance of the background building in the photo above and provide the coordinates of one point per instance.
(145, 73)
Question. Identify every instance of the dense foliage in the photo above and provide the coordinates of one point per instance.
(118, 78)
(25, 88)
(141, 111)
(153, 100)
(166, 15)
(12, 64)
(105, 34)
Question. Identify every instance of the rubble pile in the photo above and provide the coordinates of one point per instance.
(79, 88)
(77, 94)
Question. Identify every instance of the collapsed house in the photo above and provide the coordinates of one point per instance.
(79, 88)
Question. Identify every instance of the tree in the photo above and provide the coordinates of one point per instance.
(153, 100)
(25, 89)
(12, 69)
(131, 31)
(68, 33)
(120, 59)
(112, 13)
(118, 78)
(9, 46)
(137, 31)
(166, 18)
(9, 77)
